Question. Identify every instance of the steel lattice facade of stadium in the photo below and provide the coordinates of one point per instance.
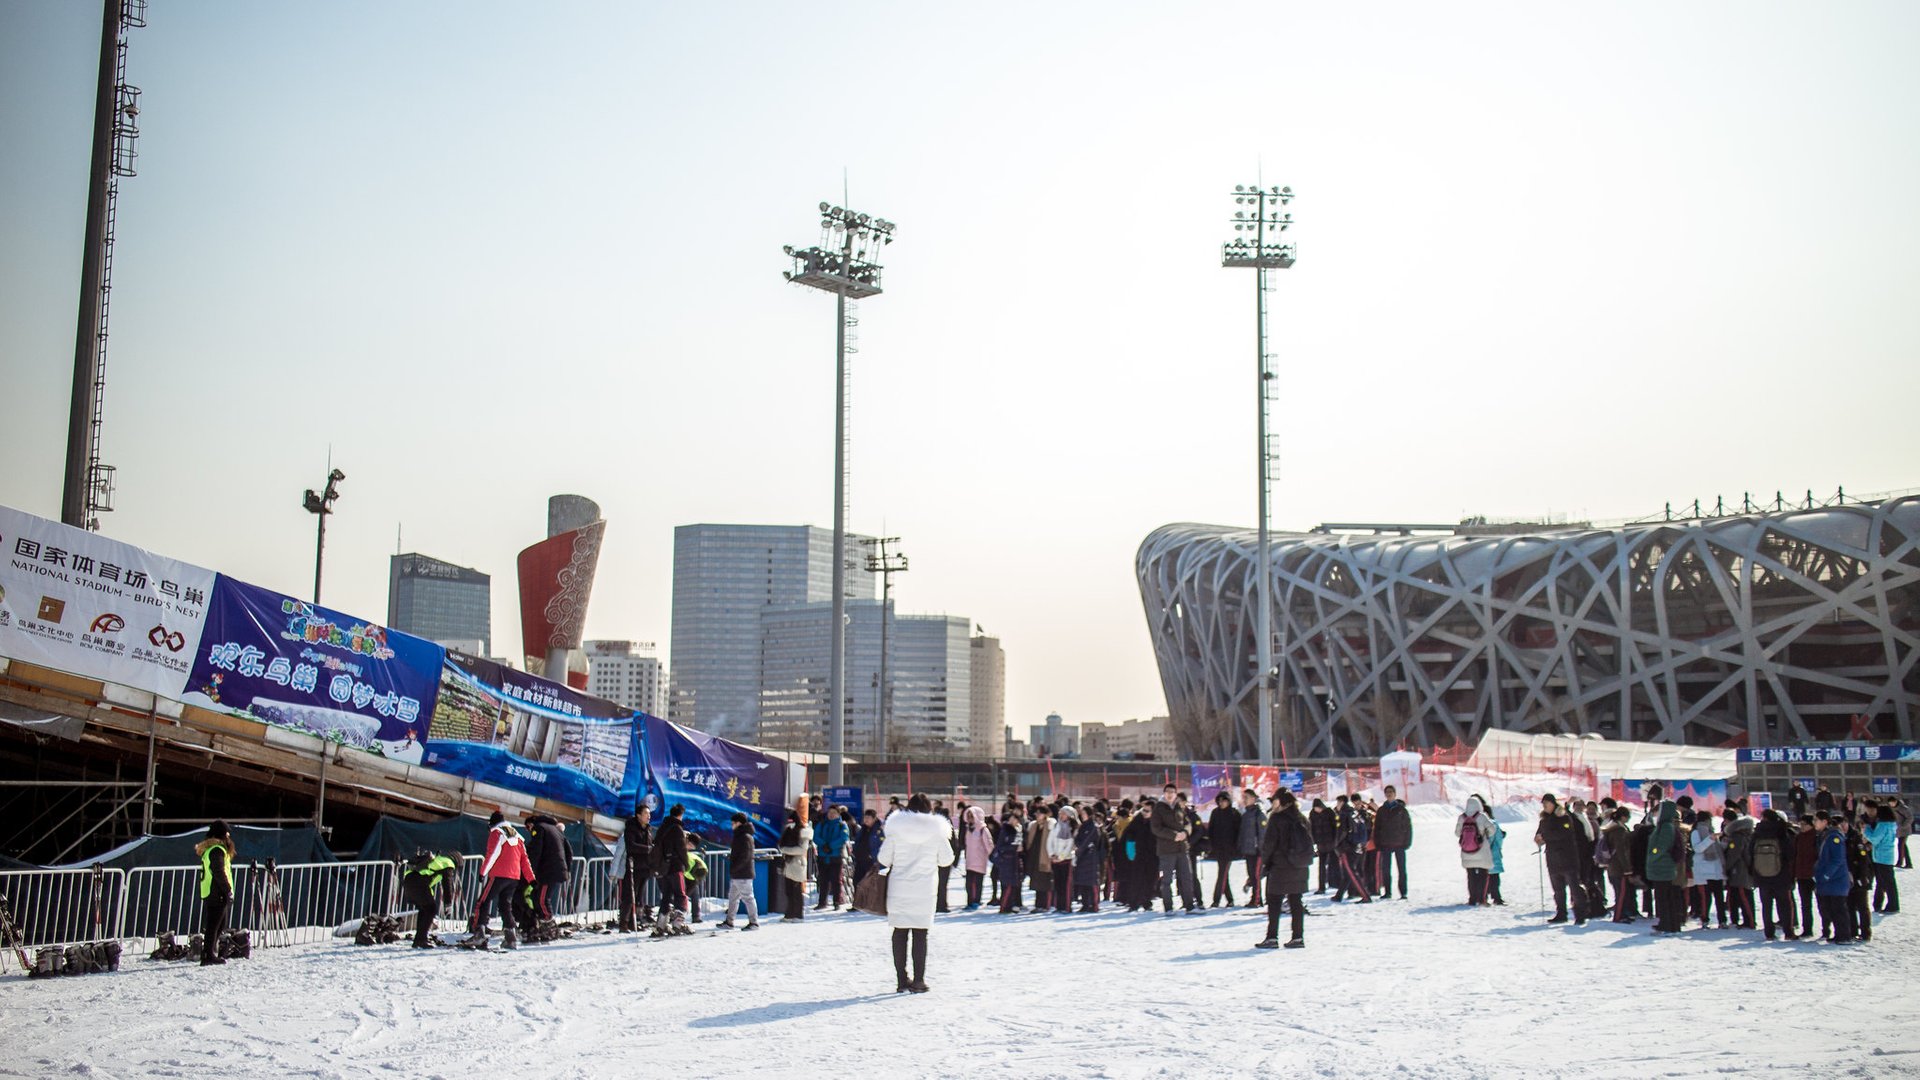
(1774, 628)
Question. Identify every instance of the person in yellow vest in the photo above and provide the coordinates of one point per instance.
(216, 889)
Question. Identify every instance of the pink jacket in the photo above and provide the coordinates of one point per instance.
(979, 845)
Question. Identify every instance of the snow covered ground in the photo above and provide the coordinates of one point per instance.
(1421, 988)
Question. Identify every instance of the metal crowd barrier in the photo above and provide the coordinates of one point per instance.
(63, 907)
(288, 905)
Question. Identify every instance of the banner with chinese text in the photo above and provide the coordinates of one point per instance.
(284, 661)
(75, 601)
(714, 779)
(524, 733)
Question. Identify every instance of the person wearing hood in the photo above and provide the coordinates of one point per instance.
(1287, 853)
(918, 844)
(1473, 831)
(1709, 871)
(426, 880)
(1142, 851)
(1060, 854)
(1665, 863)
(976, 845)
(502, 872)
(216, 890)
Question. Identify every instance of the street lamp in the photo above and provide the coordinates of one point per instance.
(1262, 220)
(844, 263)
(321, 504)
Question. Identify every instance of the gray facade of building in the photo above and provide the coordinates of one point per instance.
(929, 668)
(439, 601)
(724, 577)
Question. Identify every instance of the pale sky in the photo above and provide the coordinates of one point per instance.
(1569, 259)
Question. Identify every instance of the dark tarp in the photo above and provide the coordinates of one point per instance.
(394, 839)
(287, 847)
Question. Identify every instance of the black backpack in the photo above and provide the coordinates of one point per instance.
(1767, 862)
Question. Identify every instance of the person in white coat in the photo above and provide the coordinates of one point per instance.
(1474, 831)
(918, 844)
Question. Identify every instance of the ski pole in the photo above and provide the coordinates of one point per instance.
(1540, 880)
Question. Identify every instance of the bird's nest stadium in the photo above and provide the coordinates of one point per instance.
(1758, 629)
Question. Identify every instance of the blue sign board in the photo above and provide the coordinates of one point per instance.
(1294, 780)
(1886, 785)
(1812, 755)
(291, 663)
(849, 798)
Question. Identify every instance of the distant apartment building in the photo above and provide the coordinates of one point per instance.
(987, 698)
(440, 601)
(629, 673)
(1151, 738)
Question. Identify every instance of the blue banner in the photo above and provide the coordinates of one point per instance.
(1208, 781)
(498, 726)
(287, 662)
(713, 779)
(846, 797)
(1808, 755)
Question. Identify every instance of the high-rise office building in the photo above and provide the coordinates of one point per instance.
(987, 699)
(929, 669)
(629, 673)
(724, 578)
(440, 601)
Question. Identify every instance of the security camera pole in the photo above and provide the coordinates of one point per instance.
(844, 264)
(1261, 214)
(321, 504)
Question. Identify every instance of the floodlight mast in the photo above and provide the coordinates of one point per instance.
(843, 263)
(1264, 216)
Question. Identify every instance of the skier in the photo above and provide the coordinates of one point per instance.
(1286, 850)
(216, 890)
(504, 868)
(426, 879)
(740, 874)
(1392, 836)
(918, 843)
(1473, 830)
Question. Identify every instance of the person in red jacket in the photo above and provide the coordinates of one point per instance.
(501, 872)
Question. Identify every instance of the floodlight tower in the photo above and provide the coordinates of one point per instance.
(1262, 214)
(844, 263)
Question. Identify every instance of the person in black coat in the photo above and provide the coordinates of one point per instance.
(1773, 850)
(1223, 845)
(1287, 852)
(638, 842)
(1320, 824)
(551, 857)
(865, 844)
(216, 890)
(1089, 855)
(1797, 801)
(1144, 846)
(1392, 836)
(1560, 834)
(740, 874)
(670, 860)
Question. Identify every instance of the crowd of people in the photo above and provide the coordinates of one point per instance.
(1675, 864)
(1827, 856)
